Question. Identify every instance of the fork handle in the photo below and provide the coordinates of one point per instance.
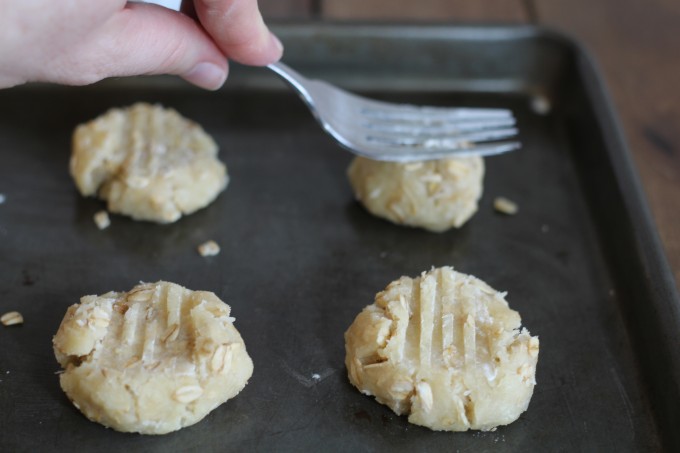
(290, 75)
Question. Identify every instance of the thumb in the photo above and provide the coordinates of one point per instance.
(148, 39)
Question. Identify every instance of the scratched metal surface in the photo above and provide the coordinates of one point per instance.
(300, 258)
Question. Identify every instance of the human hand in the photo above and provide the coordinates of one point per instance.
(78, 42)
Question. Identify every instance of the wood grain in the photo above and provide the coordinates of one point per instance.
(430, 10)
(286, 9)
(637, 44)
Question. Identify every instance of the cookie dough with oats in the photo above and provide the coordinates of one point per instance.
(435, 195)
(147, 162)
(445, 349)
(153, 360)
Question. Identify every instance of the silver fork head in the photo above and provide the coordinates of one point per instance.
(403, 133)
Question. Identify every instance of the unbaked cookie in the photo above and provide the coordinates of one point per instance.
(152, 360)
(148, 162)
(445, 349)
(435, 195)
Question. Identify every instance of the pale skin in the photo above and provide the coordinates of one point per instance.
(78, 42)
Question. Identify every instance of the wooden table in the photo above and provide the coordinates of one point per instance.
(636, 42)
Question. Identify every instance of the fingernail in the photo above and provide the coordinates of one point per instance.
(207, 75)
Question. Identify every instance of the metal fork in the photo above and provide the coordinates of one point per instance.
(399, 132)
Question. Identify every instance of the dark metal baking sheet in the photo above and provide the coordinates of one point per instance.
(300, 258)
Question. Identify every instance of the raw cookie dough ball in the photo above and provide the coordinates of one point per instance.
(148, 162)
(445, 349)
(435, 195)
(151, 360)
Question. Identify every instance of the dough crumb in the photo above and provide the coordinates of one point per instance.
(12, 318)
(209, 248)
(102, 220)
(316, 376)
(505, 206)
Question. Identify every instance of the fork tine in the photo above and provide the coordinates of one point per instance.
(406, 154)
(428, 114)
(415, 140)
(401, 132)
(453, 128)
(431, 141)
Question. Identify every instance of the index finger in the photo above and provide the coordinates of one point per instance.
(238, 29)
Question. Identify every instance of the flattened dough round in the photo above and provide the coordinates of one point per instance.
(445, 349)
(152, 360)
(148, 162)
(435, 195)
